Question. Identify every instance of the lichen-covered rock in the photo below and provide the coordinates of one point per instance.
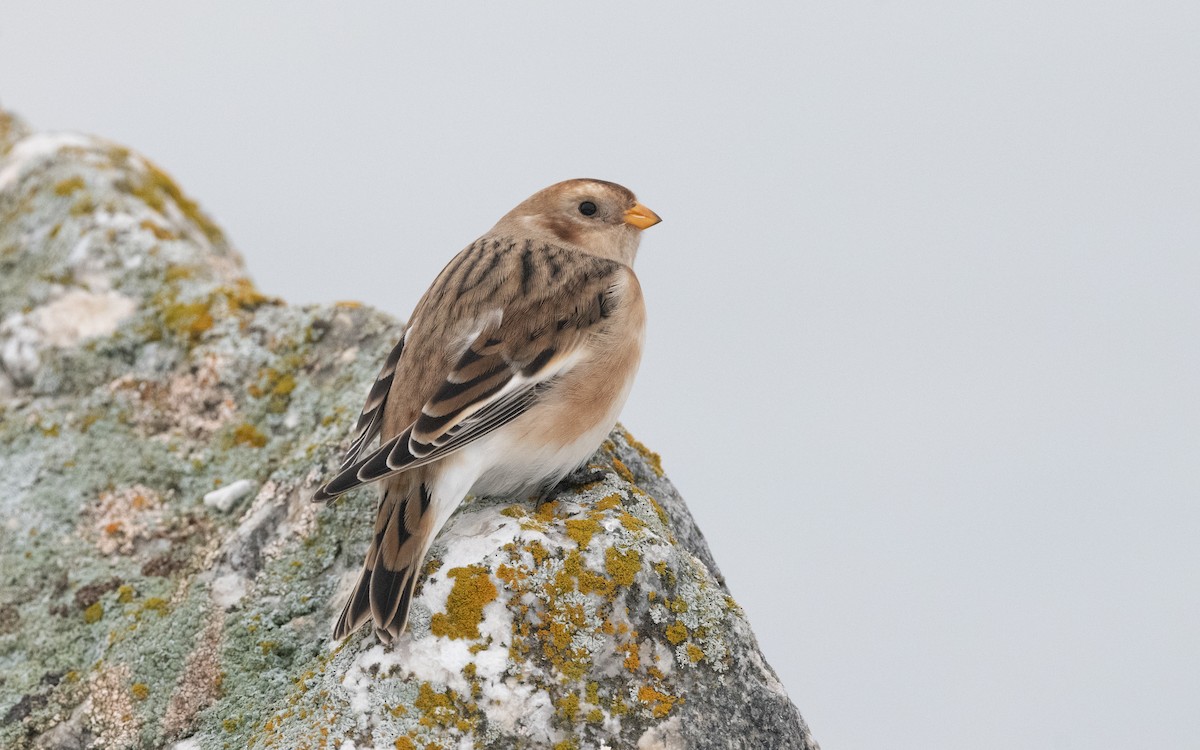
(167, 583)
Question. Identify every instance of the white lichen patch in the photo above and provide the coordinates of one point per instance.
(119, 519)
(200, 682)
(111, 715)
(33, 150)
(224, 498)
(664, 736)
(192, 404)
(227, 590)
(80, 314)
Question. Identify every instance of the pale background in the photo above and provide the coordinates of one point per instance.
(924, 329)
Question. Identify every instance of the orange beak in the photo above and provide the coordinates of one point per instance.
(641, 217)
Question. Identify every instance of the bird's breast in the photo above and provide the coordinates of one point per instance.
(571, 420)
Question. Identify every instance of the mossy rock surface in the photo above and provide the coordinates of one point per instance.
(166, 582)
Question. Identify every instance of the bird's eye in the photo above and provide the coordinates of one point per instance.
(587, 208)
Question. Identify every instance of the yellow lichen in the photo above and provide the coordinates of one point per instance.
(694, 653)
(125, 594)
(472, 590)
(568, 707)
(155, 604)
(568, 744)
(175, 273)
(93, 613)
(582, 530)
(248, 434)
(595, 716)
(539, 552)
(439, 709)
(662, 514)
(284, 386)
(676, 632)
(609, 502)
(158, 231)
(631, 522)
(69, 185)
(405, 743)
(140, 691)
(155, 186)
(188, 319)
(243, 295)
(622, 566)
(651, 457)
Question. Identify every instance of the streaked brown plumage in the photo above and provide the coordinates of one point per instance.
(512, 369)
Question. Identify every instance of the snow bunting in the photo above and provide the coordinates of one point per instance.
(513, 368)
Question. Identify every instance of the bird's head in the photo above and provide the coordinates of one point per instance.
(601, 218)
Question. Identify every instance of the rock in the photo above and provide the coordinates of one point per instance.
(166, 581)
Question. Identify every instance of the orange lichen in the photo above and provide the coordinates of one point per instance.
(623, 470)
(632, 660)
(472, 590)
(659, 703)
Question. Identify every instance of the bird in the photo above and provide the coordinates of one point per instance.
(510, 372)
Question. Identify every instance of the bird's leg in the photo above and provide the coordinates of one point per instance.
(582, 475)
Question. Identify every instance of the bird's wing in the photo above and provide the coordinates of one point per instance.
(371, 418)
(549, 304)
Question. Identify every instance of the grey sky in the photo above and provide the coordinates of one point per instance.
(924, 329)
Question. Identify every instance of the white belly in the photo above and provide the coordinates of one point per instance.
(513, 464)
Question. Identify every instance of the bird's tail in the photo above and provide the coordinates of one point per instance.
(403, 531)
